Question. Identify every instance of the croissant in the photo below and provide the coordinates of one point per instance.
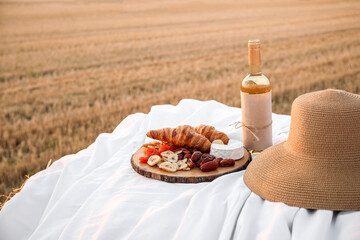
(211, 133)
(184, 135)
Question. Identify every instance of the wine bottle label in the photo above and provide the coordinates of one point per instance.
(256, 116)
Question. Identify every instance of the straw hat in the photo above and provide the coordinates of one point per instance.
(318, 167)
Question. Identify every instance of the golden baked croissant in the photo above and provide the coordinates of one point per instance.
(184, 135)
(211, 133)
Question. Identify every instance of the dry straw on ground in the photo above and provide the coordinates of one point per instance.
(71, 70)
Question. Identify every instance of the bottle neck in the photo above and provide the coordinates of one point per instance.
(254, 59)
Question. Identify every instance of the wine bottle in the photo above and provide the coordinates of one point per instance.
(256, 103)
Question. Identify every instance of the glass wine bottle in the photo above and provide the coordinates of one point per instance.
(256, 103)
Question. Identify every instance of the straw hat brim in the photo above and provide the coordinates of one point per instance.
(281, 175)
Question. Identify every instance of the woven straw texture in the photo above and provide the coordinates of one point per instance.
(318, 167)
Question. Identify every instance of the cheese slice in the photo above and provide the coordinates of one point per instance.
(233, 150)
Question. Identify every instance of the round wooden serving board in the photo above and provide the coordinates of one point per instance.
(195, 175)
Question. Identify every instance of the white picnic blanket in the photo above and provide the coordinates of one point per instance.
(95, 194)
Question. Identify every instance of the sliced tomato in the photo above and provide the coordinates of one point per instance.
(151, 151)
(143, 159)
(164, 148)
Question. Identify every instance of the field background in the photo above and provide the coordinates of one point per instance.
(70, 70)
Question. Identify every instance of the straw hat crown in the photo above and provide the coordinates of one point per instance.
(324, 126)
(318, 167)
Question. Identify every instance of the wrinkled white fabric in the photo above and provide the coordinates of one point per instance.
(95, 194)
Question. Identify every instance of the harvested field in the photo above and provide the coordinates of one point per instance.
(72, 70)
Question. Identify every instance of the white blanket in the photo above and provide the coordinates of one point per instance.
(95, 194)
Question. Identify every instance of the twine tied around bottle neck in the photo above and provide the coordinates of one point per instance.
(250, 128)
